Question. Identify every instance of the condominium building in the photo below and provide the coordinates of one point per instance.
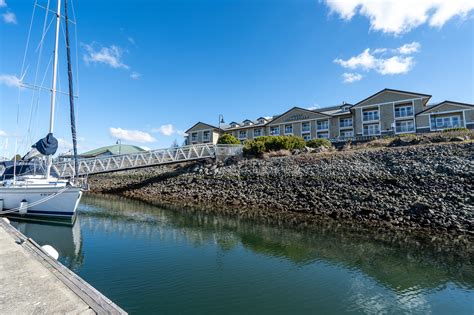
(387, 112)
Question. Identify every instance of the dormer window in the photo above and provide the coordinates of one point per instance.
(247, 122)
(261, 120)
(234, 124)
(345, 107)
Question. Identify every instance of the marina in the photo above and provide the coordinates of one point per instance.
(341, 184)
(178, 261)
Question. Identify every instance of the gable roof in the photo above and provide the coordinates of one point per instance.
(392, 90)
(431, 107)
(113, 149)
(299, 108)
(200, 122)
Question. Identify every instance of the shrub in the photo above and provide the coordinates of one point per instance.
(456, 129)
(253, 148)
(228, 139)
(321, 142)
(258, 146)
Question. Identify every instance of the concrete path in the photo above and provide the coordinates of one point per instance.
(31, 282)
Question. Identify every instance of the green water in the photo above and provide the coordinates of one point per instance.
(155, 261)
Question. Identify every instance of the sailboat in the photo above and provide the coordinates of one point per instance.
(31, 189)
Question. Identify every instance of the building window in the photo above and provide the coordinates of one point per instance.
(345, 122)
(194, 136)
(274, 131)
(306, 136)
(324, 135)
(323, 125)
(347, 134)
(404, 126)
(404, 111)
(247, 122)
(445, 122)
(234, 124)
(261, 121)
(257, 132)
(305, 126)
(370, 115)
(206, 136)
(288, 129)
(242, 134)
(371, 130)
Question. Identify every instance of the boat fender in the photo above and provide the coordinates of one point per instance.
(51, 251)
(23, 207)
(6, 220)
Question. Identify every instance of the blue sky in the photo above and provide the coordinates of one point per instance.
(148, 70)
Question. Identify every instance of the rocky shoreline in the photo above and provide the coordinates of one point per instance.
(424, 188)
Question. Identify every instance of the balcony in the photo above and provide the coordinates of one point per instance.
(345, 124)
(372, 115)
(322, 126)
(404, 112)
(438, 125)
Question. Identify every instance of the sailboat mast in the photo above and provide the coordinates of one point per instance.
(53, 86)
(71, 92)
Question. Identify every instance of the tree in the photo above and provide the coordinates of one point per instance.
(228, 139)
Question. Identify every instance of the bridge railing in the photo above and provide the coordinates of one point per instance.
(112, 163)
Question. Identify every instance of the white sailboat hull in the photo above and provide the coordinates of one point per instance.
(61, 204)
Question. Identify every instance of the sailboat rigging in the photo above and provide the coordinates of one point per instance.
(23, 191)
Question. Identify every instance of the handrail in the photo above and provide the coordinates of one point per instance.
(118, 162)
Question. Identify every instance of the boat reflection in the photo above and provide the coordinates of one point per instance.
(66, 239)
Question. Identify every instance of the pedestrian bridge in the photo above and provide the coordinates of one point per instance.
(121, 162)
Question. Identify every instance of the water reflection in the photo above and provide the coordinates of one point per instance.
(388, 259)
(65, 239)
(146, 258)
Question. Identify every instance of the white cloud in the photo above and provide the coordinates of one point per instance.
(135, 75)
(111, 56)
(351, 77)
(2, 133)
(381, 60)
(408, 49)
(401, 16)
(131, 135)
(3, 4)
(10, 80)
(9, 17)
(64, 144)
(166, 130)
(395, 65)
(181, 133)
(364, 61)
(315, 106)
(131, 40)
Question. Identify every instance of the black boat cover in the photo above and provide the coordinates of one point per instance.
(47, 146)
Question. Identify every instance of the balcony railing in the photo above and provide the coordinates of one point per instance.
(447, 125)
(404, 129)
(401, 114)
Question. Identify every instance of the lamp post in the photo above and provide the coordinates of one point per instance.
(221, 120)
(119, 142)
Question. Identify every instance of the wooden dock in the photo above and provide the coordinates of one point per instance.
(32, 282)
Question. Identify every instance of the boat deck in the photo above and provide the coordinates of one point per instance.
(35, 283)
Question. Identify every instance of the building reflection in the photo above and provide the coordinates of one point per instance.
(395, 260)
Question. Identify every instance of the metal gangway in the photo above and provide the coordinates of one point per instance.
(121, 162)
